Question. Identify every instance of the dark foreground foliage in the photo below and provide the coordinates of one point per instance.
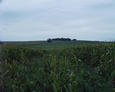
(73, 69)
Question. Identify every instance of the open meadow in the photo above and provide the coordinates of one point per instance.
(64, 66)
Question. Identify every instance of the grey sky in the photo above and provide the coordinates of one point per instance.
(42, 19)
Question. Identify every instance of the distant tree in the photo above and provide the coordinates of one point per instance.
(61, 39)
(58, 39)
(1, 42)
(74, 39)
(49, 40)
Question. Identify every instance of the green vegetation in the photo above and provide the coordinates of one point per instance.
(58, 67)
(52, 45)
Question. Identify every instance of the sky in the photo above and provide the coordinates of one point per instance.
(29, 20)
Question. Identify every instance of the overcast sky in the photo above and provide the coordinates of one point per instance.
(41, 19)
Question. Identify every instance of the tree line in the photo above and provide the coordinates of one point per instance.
(60, 39)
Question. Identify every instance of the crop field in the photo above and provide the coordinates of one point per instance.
(60, 66)
(52, 45)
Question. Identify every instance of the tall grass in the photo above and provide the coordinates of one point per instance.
(73, 69)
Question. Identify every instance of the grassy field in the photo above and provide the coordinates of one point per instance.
(59, 66)
(52, 45)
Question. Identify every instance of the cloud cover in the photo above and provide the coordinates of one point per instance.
(42, 19)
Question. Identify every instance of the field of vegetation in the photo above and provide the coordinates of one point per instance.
(57, 67)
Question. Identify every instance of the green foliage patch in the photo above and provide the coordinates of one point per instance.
(87, 68)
